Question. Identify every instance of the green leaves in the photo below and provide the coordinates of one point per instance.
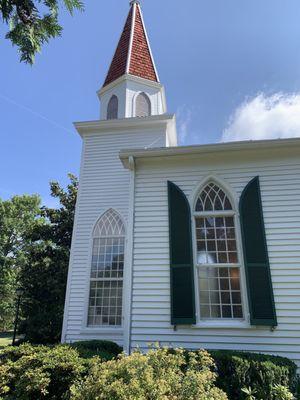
(44, 274)
(71, 5)
(159, 374)
(30, 27)
(18, 217)
(34, 253)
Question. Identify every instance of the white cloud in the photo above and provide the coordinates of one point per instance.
(265, 117)
(184, 119)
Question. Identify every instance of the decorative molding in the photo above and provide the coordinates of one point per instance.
(132, 78)
(99, 126)
(210, 148)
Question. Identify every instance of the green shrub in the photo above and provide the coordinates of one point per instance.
(39, 372)
(102, 348)
(156, 375)
(280, 392)
(260, 372)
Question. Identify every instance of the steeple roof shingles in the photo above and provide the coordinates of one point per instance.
(133, 55)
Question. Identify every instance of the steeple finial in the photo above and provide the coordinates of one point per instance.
(134, 2)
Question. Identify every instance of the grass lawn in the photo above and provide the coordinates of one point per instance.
(5, 339)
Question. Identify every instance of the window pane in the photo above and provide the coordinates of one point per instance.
(218, 298)
(205, 311)
(220, 289)
(105, 304)
(216, 243)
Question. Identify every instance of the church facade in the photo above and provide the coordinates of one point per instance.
(189, 246)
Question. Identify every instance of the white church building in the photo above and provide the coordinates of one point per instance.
(191, 246)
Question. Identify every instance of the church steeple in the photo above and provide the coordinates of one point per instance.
(132, 87)
(133, 54)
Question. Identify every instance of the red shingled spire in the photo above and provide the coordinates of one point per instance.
(133, 54)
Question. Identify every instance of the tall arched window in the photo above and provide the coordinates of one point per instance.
(217, 258)
(105, 303)
(112, 108)
(142, 105)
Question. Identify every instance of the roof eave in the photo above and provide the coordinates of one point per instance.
(206, 149)
(129, 77)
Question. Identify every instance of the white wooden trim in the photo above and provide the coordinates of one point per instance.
(223, 324)
(131, 38)
(128, 276)
(213, 149)
(117, 125)
(109, 330)
(129, 77)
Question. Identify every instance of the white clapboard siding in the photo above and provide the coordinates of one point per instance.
(279, 174)
(104, 184)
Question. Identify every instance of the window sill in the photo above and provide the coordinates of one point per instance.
(104, 330)
(222, 325)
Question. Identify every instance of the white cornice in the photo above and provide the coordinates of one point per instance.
(129, 77)
(208, 149)
(124, 124)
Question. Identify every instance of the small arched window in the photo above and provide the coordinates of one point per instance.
(105, 302)
(142, 106)
(112, 108)
(217, 258)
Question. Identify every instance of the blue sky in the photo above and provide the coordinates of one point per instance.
(231, 71)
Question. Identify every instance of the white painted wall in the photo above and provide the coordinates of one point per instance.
(126, 89)
(279, 172)
(104, 184)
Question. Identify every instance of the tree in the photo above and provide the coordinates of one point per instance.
(44, 274)
(18, 217)
(33, 23)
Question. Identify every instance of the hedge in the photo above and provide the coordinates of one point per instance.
(105, 349)
(260, 372)
(39, 372)
(48, 372)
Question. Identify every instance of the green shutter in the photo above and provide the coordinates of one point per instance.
(181, 258)
(258, 274)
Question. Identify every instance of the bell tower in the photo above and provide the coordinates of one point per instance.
(133, 115)
(132, 87)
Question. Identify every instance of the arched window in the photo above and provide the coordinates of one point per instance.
(142, 106)
(217, 258)
(112, 108)
(105, 303)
